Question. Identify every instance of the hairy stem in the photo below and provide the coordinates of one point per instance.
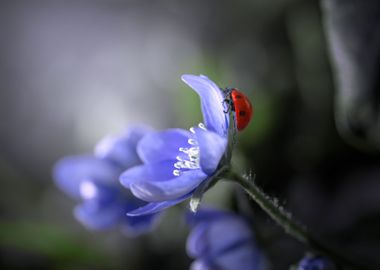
(293, 228)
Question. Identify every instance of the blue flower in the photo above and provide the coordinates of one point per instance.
(93, 179)
(177, 161)
(222, 240)
(315, 263)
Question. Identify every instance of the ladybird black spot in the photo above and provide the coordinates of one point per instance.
(242, 113)
(238, 96)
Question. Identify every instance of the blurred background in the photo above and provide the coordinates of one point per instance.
(72, 72)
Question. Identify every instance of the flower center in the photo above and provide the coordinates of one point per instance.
(190, 160)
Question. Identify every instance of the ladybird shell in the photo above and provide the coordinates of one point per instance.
(243, 109)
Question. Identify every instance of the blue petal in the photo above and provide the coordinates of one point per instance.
(195, 245)
(122, 149)
(235, 250)
(318, 263)
(162, 145)
(212, 103)
(205, 237)
(148, 172)
(98, 218)
(211, 148)
(242, 234)
(69, 173)
(156, 207)
(155, 191)
(156, 182)
(200, 265)
(245, 257)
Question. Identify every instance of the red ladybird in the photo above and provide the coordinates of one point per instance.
(240, 104)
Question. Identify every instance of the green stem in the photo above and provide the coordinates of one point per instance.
(284, 219)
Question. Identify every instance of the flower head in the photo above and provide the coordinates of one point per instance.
(315, 263)
(222, 240)
(177, 161)
(93, 179)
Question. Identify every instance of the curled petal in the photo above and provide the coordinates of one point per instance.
(153, 191)
(155, 207)
(69, 173)
(156, 182)
(148, 172)
(211, 101)
(211, 147)
(162, 145)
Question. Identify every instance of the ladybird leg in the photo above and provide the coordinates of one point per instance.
(227, 105)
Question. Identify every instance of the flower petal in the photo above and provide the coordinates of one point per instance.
(315, 262)
(156, 182)
(209, 224)
(155, 207)
(69, 173)
(153, 191)
(211, 101)
(148, 172)
(195, 246)
(235, 250)
(162, 145)
(217, 244)
(211, 148)
(122, 149)
(245, 257)
(200, 265)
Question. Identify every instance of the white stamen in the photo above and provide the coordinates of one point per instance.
(202, 126)
(176, 165)
(192, 142)
(187, 164)
(192, 161)
(193, 151)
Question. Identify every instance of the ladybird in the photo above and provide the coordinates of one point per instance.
(240, 105)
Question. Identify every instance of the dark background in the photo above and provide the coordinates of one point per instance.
(74, 71)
